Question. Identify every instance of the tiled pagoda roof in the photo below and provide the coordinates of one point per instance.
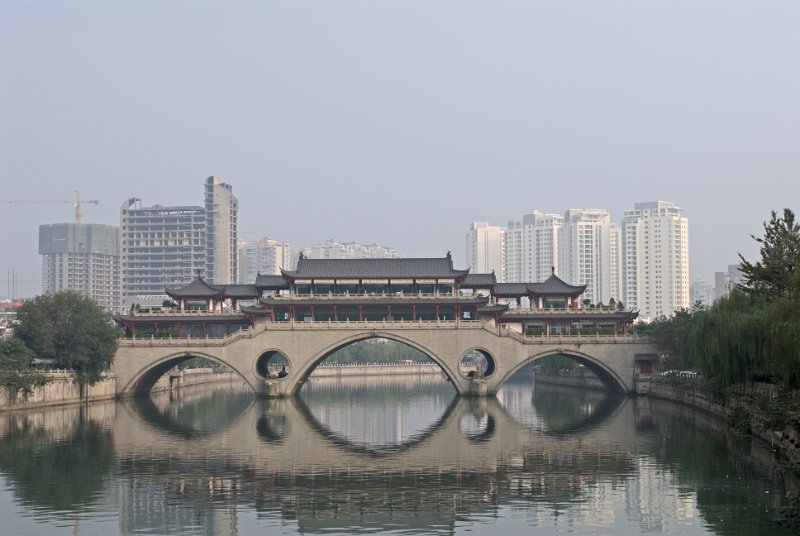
(479, 281)
(271, 282)
(397, 268)
(553, 286)
(198, 288)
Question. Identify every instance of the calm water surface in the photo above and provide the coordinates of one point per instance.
(401, 456)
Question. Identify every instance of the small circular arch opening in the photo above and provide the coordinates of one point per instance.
(273, 364)
(477, 364)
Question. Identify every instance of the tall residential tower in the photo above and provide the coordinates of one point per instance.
(655, 250)
(83, 257)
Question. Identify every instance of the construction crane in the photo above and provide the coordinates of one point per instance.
(76, 202)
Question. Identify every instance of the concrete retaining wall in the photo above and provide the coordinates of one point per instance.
(394, 369)
(61, 389)
(189, 377)
(571, 380)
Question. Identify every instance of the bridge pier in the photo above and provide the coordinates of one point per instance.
(478, 387)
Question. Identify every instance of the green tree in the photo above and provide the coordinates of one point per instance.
(775, 275)
(16, 373)
(72, 330)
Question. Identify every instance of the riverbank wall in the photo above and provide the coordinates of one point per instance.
(375, 369)
(63, 389)
(571, 380)
(737, 409)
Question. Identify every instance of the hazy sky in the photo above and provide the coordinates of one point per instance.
(400, 122)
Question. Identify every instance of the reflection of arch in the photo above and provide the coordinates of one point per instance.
(610, 379)
(350, 446)
(272, 428)
(607, 406)
(146, 408)
(303, 375)
(484, 430)
(145, 379)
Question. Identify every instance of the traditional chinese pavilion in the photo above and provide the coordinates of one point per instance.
(357, 290)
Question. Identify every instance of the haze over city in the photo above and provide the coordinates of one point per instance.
(400, 122)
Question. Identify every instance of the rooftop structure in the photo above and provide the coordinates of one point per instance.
(373, 290)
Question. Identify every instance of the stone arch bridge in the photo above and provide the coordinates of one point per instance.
(615, 359)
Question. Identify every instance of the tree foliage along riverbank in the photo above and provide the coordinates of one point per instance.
(754, 333)
(71, 331)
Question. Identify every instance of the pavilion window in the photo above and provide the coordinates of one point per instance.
(446, 289)
(347, 288)
(323, 288)
(403, 288)
(374, 289)
(427, 288)
(303, 289)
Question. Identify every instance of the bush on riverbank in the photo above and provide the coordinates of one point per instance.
(16, 371)
(71, 330)
(752, 335)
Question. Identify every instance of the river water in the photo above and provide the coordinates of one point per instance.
(397, 456)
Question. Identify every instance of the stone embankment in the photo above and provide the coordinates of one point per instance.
(375, 369)
(63, 389)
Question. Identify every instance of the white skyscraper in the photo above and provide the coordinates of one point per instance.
(587, 253)
(264, 256)
(222, 230)
(486, 249)
(532, 245)
(655, 246)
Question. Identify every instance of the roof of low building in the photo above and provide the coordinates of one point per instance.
(271, 282)
(479, 281)
(241, 291)
(507, 290)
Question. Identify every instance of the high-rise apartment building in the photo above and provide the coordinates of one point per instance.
(83, 257)
(264, 256)
(167, 246)
(160, 246)
(532, 247)
(724, 282)
(586, 253)
(655, 248)
(486, 249)
(332, 249)
(701, 292)
(222, 235)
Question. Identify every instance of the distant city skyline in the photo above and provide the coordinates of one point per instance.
(398, 122)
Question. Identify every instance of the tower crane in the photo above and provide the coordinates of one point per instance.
(76, 202)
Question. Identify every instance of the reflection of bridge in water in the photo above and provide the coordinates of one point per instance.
(283, 436)
(167, 464)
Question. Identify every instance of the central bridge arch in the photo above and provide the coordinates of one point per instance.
(309, 367)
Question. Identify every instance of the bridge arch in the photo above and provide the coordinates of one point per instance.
(300, 375)
(144, 380)
(604, 373)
